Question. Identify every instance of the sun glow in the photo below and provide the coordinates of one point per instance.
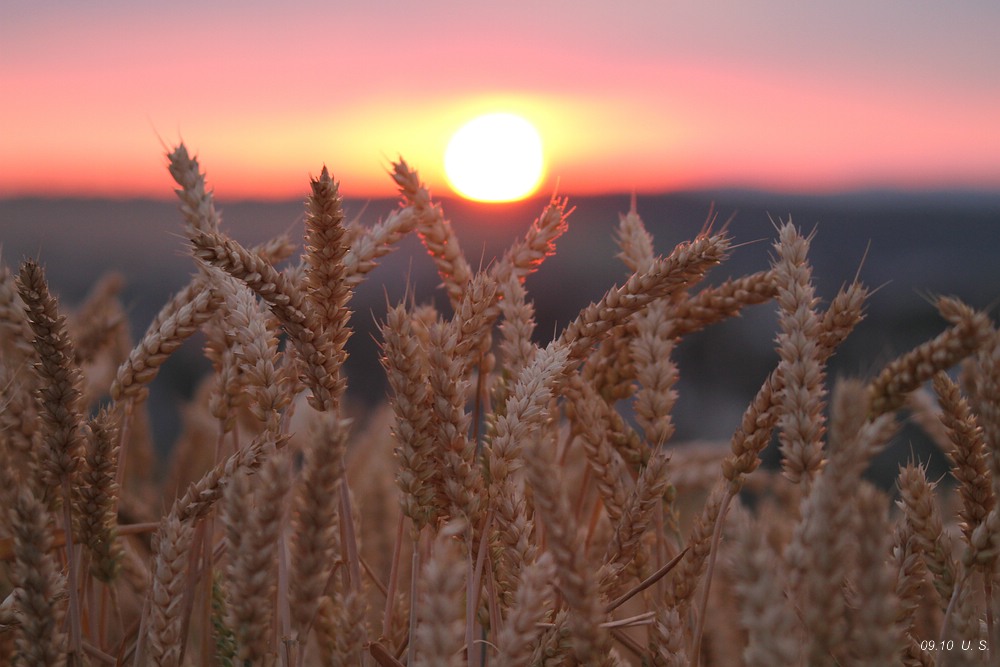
(494, 158)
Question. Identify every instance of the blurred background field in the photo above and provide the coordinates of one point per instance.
(917, 244)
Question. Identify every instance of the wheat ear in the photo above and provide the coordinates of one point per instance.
(98, 497)
(37, 582)
(765, 611)
(59, 398)
(530, 605)
(59, 381)
(286, 302)
(967, 454)
(969, 331)
(182, 315)
(435, 232)
(368, 245)
(718, 302)
(687, 264)
(327, 289)
(405, 363)
(875, 637)
(256, 355)
(818, 555)
(527, 254)
(253, 559)
(201, 496)
(165, 621)
(439, 629)
(315, 515)
(923, 517)
(636, 517)
(15, 333)
(801, 399)
(590, 644)
(197, 203)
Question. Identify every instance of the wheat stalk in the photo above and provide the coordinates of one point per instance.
(542, 513)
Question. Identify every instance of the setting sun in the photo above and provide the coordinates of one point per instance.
(496, 157)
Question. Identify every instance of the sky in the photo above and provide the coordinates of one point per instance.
(646, 96)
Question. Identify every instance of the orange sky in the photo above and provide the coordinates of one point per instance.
(649, 96)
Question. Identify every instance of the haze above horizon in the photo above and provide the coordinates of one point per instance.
(648, 97)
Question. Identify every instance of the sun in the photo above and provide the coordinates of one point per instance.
(494, 158)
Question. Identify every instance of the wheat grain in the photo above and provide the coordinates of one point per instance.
(59, 381)
(176, 321)
(98, 495)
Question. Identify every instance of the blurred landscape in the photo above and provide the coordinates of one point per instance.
(913, 246)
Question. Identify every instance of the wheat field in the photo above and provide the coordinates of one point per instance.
(518, 500)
